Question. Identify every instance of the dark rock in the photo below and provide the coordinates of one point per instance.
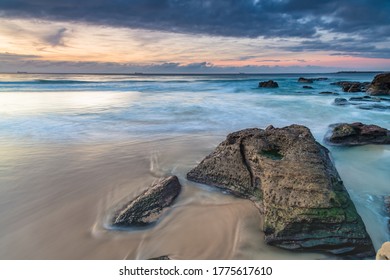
(293, 182)
(365, 99)
(311, 80)
(352, 86)
(341, 102)
(364, 103)
(380, 85)
(161, 258)
(149, 206)
(307, 87)
(379, 107)
(328, 93)
(304, 80)
(268, 84)
(358, 134)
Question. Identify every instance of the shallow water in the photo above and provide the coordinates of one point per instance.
(73, 147)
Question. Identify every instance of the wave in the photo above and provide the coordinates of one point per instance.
(135, 81)
(43, 81)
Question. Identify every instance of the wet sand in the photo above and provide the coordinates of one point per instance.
(56, 201)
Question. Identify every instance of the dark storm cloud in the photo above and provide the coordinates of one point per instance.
(367, 19)
(239, 18)
(351, 48)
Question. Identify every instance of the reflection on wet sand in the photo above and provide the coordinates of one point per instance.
(55, 202)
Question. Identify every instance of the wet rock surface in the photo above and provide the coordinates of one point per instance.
(365, 102)
(352, 86)
(380, 85)
(294, 184)
(149, 206)
(341, 101)
(268, 84)
(357, 134)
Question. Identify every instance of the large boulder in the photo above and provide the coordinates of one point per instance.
(293, 182)
(268, 84)
(357, 134)
(380, 85)
(149, 206)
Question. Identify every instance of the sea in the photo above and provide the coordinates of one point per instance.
(74, 147)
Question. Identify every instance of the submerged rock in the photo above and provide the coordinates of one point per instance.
(328, 93)
(310, 80)
(293, 182)
(340, 101)
(384, 252)
(365, 102)
(149, 206)
(380, 85)
(358, 134)
(268, 84)
(307, 87)
(304, 80)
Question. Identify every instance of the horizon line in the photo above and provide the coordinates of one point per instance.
(187, 73)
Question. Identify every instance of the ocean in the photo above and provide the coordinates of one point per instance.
(73, 147)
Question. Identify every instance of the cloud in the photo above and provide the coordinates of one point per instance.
(342, 47)
(237, 18)
(269, 60)
(56, 39)
(359, 28)
(44, 66)
(6, 57)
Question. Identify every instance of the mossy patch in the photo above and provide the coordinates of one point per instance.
(272, 154)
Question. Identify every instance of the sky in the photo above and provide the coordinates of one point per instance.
(194, 36)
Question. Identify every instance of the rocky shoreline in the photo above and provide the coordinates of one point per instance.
(288, 176)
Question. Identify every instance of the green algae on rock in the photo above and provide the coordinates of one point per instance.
(293, 182)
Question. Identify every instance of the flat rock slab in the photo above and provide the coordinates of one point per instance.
(357, 134)
(292, 180)
(149, 206)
